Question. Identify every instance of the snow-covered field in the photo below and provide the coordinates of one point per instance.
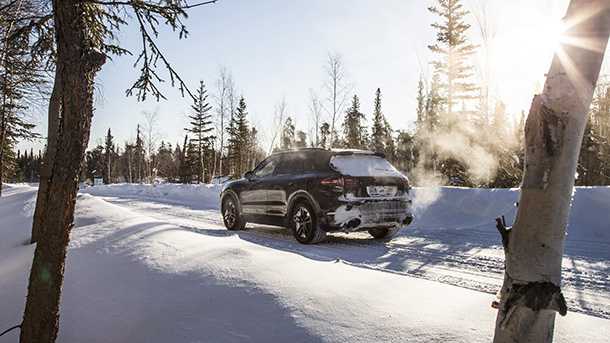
(154, 264)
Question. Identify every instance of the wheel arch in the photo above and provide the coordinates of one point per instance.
(302, 195)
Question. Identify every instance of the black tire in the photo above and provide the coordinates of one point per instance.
(304, 224)
(231, 216)
(380, 233)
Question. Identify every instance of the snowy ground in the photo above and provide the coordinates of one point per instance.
(154, 264)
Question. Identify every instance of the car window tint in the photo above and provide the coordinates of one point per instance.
(310, 164)
(266, 169)
(291, 164)
(316, 162)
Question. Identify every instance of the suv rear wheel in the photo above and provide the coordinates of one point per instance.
(304, 224)
(231, 216)
(380, 233)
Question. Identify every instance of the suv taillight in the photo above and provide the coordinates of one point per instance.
(340, 183)
(333, 181)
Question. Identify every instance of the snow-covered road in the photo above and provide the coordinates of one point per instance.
(467, 255)
(154, 264)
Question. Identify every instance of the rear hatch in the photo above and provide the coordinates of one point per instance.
(369, 175)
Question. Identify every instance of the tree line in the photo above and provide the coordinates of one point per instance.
(458, 138)
(197, 157)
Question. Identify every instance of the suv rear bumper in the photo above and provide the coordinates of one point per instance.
(359, 214)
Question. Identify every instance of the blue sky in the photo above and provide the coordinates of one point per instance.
(276, 49)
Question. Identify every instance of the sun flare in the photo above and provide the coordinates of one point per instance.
(557, 34)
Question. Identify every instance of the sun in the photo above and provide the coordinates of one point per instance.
(557, 34)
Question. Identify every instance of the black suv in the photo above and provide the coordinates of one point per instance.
(314, 191)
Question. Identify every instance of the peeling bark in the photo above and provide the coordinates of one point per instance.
(531, 293)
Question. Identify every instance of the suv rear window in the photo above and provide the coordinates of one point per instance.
(363, 165)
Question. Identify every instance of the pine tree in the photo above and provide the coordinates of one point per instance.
(238, 139)
(21, 75)
(378, 131)
(201, 127)
(26, 167)
(109, 151)
(191, 162)
(434, 105)
(10, 168)
(354, 132)
(388, 141)
(94, 163)
(454, 51)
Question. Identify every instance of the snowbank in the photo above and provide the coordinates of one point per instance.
(463, 208)
(199, 196)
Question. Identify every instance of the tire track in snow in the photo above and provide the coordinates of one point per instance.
(417, 252)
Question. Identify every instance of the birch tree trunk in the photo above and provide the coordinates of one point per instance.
(554, 129)
(77, 65)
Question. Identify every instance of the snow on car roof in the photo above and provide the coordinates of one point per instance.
(355, 151)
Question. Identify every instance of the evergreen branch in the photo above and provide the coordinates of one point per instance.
(10, 329)
(145, 5)
(149, 56)
(8, 5)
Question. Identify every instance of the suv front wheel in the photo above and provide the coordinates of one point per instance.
(304, 224)
(231, 215)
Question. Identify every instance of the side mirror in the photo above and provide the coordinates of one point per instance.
(249, 175)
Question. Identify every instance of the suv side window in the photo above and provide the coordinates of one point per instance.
(266, 168)
(291, 164)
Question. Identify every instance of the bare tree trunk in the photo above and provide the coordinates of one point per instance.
(338, 90)
(201, 163)
(49, 158)
(280, 113)
(129, 167)
(213, 161)
(554, 130)
(76, 67)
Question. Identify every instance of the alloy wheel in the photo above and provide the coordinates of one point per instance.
(230, 215)
(303, 222)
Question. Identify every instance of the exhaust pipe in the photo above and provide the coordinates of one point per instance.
(353, 223)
